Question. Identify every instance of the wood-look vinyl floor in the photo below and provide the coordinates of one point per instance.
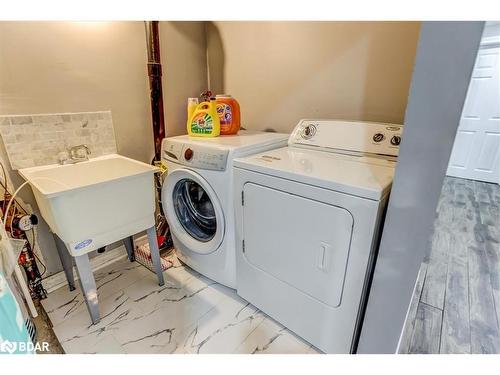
(456, 305)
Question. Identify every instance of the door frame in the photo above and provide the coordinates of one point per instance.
(446, 54)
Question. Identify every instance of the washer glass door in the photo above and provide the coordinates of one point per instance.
(194, 209)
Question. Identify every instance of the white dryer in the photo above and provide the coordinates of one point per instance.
(308, 218)
(197, 197)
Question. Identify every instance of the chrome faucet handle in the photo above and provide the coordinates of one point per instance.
(63, 157)
(73, 152)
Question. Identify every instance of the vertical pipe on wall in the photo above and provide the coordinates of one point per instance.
(207, 54)
(155, 84)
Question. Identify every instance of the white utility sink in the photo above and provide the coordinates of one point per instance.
(96, 202)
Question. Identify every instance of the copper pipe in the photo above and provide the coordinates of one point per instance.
(155, 84)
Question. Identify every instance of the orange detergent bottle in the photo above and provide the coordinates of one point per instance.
(228, 110)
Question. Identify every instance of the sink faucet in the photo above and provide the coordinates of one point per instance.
(74, 154)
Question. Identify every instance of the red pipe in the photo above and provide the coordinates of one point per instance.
(155, 84)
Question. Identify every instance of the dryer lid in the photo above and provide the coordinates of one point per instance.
(363, 176)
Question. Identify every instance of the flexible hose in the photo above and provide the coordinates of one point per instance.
(12, 200)
(19, 189)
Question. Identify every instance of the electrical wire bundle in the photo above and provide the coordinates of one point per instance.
(16, 219)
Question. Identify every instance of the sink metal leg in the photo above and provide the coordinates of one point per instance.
(155, 254)
(66, 261)
(129, 245)
(87, 284)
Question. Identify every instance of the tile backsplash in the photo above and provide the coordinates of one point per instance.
(33, 140)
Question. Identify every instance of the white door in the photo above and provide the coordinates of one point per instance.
(476, 151)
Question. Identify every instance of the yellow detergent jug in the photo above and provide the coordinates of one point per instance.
(204, 121)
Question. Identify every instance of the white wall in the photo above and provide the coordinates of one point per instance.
(283, 71)
(183, 55)
(53, 67)
(279, 71)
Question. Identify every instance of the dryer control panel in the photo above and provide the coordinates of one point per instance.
(195, 156)
(349, 136)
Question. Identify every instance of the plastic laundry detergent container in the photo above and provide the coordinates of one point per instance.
(204, 121)
(228, 110)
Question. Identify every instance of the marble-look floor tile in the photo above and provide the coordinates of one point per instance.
(92, 344)
(63, 304)
(271, 337)
(149, 294)
(115, 309)
(189, 314)
(119, 275)
(181, 284)
(223, 328)
(166, 318)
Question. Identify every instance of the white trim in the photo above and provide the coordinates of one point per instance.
(408, 312)
(490, 42)
(58, 279)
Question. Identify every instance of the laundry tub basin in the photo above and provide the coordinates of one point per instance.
(96, 202)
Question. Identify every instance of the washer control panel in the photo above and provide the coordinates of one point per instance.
(194, 155)
(351, 136)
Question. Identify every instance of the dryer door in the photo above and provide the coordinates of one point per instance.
(193, 211)
(300, 241)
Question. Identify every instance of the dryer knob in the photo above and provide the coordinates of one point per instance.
(379, 137)
(396, 140)
(188, 154)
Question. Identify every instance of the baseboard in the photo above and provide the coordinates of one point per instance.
(58, 279)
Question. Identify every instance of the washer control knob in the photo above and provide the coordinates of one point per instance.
(378, 137)
(309, 131)
(188, 154)
(395, 140)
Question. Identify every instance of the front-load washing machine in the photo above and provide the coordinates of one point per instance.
(197, 197)
(307, 226)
